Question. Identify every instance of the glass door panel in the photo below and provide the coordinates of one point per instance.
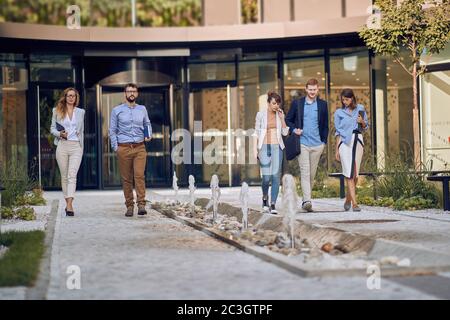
(436, 119)
(49, 171)
(111, 174)
(211, 123)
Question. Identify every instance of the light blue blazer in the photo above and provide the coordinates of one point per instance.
(79, 116)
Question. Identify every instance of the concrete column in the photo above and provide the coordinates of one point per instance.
(381, 110)
(276, 10)
(355, 8)
(219, 12)
(317, 9)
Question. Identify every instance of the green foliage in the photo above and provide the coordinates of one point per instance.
(400, 188)
(159, 13)
(33, 198)
(249, 9)
(105, 13)
(380, 202)
(22, 213)
(6, 213)
(14, 179)
(414, 203)
(402, 182)
(25, 213)
(20, 264)
(409, 26)
(324, 187)
(325, 191)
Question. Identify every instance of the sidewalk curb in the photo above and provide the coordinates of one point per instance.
(39, 290)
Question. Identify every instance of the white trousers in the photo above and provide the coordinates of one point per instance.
(308, 160)
(68, 156)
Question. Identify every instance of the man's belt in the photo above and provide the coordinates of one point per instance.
(130, 144)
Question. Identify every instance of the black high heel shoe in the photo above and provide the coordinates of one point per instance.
(69, 213)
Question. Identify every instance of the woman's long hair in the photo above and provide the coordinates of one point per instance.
(348, 93)
(61, 105)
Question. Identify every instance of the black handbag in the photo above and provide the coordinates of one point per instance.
(292, 146)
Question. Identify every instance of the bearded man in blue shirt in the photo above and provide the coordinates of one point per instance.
(128, 123)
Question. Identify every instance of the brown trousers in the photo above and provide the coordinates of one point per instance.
(132, 167)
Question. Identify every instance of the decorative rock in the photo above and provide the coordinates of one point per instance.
(404, 263)
(389, 260)
(305, 243)
(247, 235)
(343, 248)
(335, 252)
(327, 247)
(315, 253)
(282, 240)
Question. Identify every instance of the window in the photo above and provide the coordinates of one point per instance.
(13, 110)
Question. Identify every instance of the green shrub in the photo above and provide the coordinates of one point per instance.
(7, 213)
(25, 213)
(15, 181)
(413, 203)
(380, 202)
(33, 198)
(402, 182)
(22, 213)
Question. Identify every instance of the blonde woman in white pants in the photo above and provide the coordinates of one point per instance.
(68, 128)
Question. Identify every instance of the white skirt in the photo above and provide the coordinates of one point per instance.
(351, 155)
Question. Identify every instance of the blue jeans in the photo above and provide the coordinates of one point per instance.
(270, 159)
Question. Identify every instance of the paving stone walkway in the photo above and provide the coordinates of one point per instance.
(154, 257)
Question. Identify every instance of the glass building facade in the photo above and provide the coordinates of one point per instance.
(213, 92)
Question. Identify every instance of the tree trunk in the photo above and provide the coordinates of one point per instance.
(416, 126)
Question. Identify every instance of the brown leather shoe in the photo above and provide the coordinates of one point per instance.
(141, 210)
(130, 212)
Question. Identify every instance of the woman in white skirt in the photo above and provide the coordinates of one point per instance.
(350, 122)
(68, 128)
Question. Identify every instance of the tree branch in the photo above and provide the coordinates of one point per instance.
(421, 70)
(403, 65)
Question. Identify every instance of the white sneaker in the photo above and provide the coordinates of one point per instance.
(272, 209)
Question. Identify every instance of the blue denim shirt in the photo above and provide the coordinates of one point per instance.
(345, 122)
(127, 124)
(311, 136)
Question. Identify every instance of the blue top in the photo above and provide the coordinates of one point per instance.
(345, 122)
(311, 136)
(127, 124)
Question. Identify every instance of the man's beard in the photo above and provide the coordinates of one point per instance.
(131, 99)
